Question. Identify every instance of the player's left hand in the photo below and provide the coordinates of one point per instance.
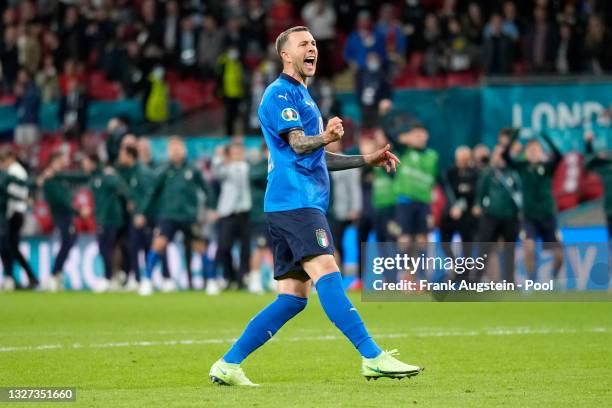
(383, 158)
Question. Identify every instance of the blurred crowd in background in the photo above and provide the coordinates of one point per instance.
(75, 52)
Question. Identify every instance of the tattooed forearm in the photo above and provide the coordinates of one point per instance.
(337, 162)
(300, 143)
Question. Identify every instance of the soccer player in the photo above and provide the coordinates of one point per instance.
(295, 203)
(58, 196)
(175, 191)
(536, 173)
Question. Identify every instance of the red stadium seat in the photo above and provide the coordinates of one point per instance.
(406, 79)
(425, 82)
(7, 100)
(192, 94)
(101, 88)
(461, 79)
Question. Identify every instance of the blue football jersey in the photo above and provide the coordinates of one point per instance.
(294, 180)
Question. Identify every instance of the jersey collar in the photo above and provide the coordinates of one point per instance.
(290, 79)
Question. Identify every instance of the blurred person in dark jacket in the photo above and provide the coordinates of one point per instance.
(171, 37)
(149, 173)
(73, 111)
(498, 49)
(432, 46)
(539, 43)
(116, 129)
(459, 51)
(58, 195)
(459, 182)
(48, 80)
(138, 179)
(210, 46)
(597, 50)
(568, 59)
(9, 59)
(498, 204)
(188, 47)
(232, 76)
(27, 104)
(372, 86)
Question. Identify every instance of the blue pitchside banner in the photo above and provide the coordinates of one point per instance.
(458, 116)
(564, 110)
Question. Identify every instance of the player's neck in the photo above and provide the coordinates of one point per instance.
(296, 76)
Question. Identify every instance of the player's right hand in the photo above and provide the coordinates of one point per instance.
(334, 130)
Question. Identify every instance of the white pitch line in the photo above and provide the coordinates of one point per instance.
(497, 331)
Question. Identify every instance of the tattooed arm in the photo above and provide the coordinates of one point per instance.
(380, 158)
(337, 162)
(302, 144)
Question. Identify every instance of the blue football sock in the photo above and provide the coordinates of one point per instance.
(341, 312)
(264, 326)
(152, 259)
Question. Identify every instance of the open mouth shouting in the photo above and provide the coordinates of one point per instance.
(310, 62)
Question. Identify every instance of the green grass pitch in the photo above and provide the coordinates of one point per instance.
(120, 350)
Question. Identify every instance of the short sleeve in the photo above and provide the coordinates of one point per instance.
(282, 112)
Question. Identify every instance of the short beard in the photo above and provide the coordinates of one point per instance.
(300, 72)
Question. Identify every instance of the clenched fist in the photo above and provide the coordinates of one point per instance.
(334, 130)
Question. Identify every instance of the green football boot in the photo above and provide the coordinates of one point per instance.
(223, 373)
(387, 366)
